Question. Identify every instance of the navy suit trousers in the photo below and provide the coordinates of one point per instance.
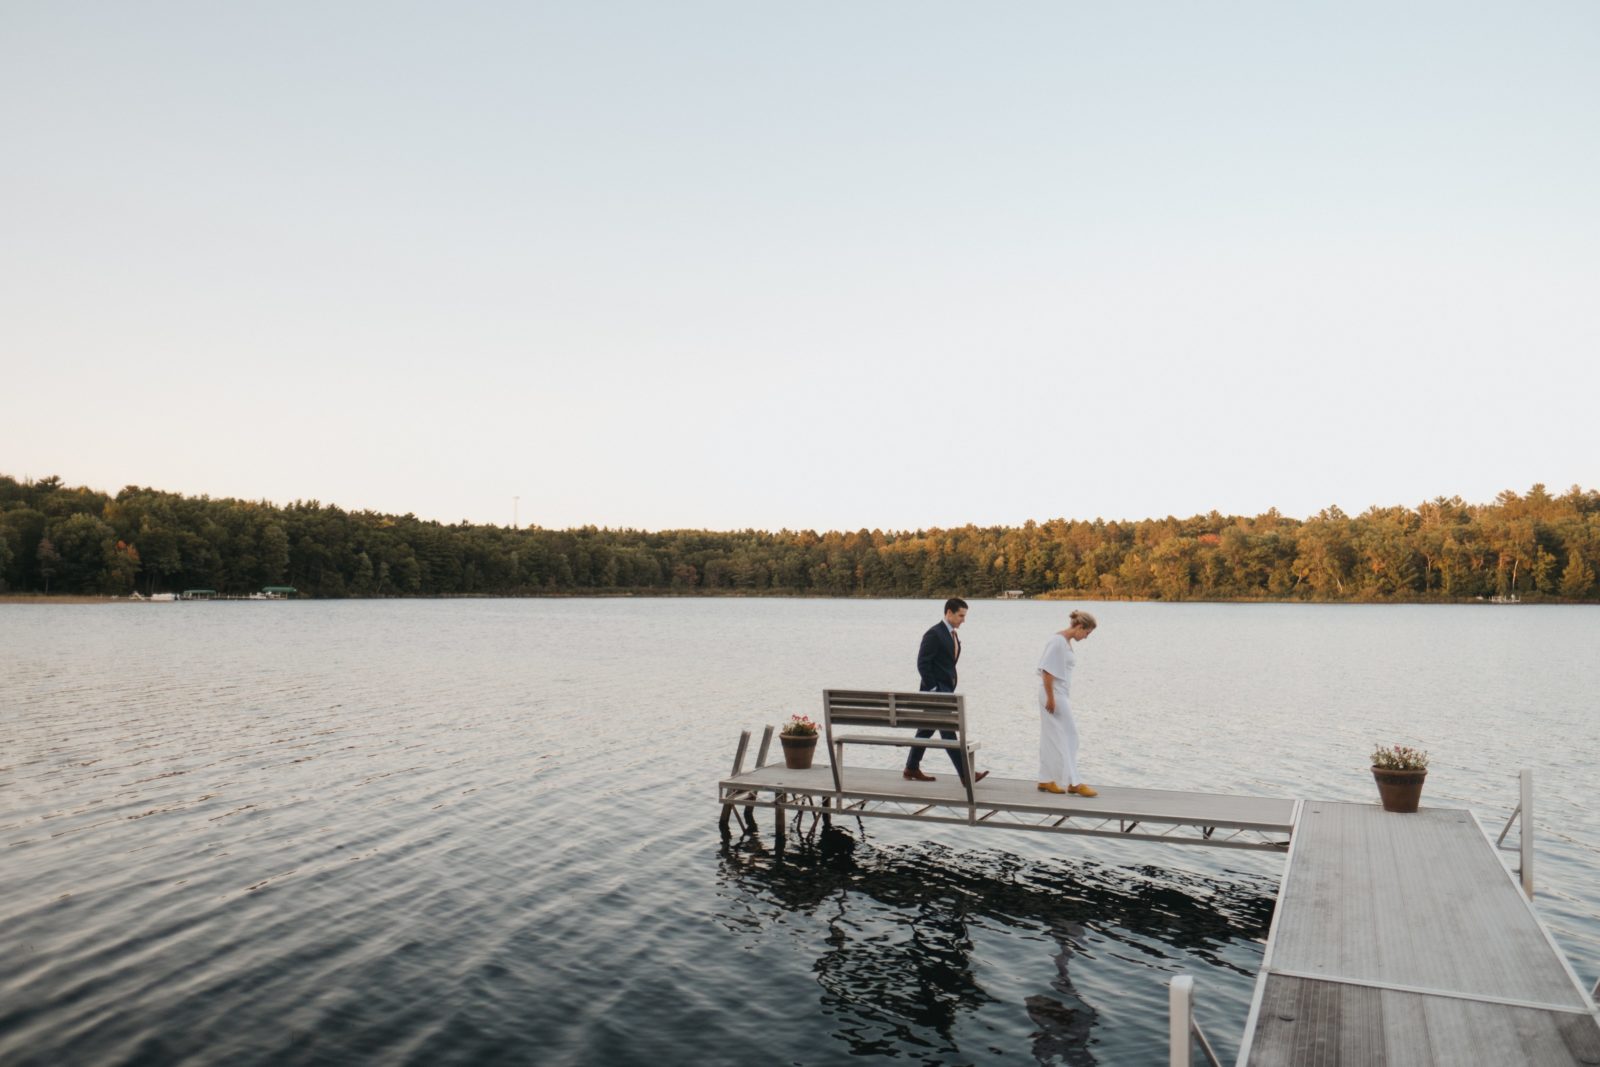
(958, 757)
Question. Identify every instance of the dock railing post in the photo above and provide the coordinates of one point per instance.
(1180, 1014)
(1524, 812)
(1526, 851)
(1182, 1031)
(738, 765)
(761, 761)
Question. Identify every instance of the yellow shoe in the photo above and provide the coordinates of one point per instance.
(1050, 787)
(1083, 790)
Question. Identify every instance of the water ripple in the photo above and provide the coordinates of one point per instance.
(484, 832)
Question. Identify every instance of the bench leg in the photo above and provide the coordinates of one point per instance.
(972, 779)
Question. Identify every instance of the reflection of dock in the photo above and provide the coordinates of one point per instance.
(900, 925)
(1403, 939)
(1397, 938)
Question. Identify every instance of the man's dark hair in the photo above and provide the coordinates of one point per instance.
(955, 603)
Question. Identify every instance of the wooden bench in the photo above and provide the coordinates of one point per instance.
(902, 711)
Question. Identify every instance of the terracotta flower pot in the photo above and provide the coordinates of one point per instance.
(798, 750)
(1399, 790)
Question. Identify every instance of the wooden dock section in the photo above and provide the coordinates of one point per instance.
(1214, 820)
(1403, 939)
(1397, 938)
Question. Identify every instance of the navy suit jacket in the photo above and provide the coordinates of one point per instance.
(936, 660)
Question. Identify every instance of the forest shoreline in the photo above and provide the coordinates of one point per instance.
(1535, 547)
(70, 599)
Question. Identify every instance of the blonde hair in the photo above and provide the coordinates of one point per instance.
(1083, 619)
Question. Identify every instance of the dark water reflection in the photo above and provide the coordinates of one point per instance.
(895, 965)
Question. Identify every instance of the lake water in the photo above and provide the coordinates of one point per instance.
(484, 831)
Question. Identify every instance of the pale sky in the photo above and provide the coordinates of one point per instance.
(828, 265)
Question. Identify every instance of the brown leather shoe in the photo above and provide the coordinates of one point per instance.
(1050, 787)
(1083, 790)
(912, 774)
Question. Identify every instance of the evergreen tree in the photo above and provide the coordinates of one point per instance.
(1577, 580)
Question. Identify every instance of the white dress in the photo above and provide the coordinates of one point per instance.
(1058, 733)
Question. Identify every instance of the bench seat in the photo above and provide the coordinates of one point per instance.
(905, 742)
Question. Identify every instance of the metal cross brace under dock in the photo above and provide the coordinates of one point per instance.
(1218, 821)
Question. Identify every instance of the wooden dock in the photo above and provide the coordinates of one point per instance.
(1397, 938)
(1403, 939)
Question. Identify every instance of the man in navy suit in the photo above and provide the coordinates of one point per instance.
(936, 664)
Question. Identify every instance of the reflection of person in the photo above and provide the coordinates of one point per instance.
(1058, 731)
(936, 665)
(1065, 1025)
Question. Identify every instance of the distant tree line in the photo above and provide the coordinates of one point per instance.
(54, 538)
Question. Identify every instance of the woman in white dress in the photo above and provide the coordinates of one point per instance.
(1058, 732)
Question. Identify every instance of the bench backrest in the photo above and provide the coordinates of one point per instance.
(859, 707)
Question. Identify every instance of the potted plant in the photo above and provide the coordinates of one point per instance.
(799, 740)
(1399, 771)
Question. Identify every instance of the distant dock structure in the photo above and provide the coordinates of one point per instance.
(271, 592)
(1013, 594)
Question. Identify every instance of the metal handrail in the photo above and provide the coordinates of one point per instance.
(1525, 782)
(1500, 842)
(1181, 1025)
(1523, 811)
